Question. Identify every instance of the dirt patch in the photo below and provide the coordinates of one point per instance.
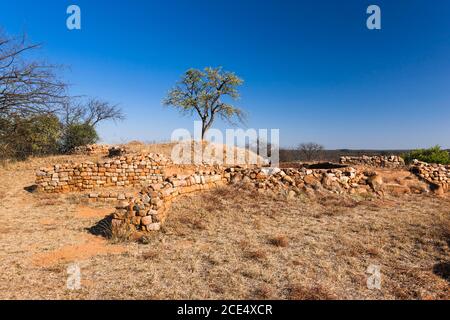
(6, 230)
(87, 212)
(47, 221)
(93, 246)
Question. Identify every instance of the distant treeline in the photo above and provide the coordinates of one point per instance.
(289, 155)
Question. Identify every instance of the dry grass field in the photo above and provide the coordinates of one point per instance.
(228, 243)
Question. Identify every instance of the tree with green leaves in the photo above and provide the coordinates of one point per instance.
(204, 93)
(36, 135)
(78, 134)
(431, 155)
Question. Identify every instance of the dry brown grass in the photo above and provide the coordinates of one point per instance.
(220, 245)
(279, 241)
(210, 150)
(317, 292)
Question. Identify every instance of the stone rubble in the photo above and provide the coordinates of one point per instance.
(437, 175)
(161, 181)
(91, 149)
(375, 161)
(148, 210)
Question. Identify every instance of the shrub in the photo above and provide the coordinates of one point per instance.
(431, 155)
(76, 135)
(34, 135)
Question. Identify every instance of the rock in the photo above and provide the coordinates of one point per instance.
(147, 220)
(236, 178)
(288, 179)
(291, 194)
(327, 181)
(310, 180)
(438, 190)
(116, 151)
(270, 171)
(146, 199)
(123, 205)
(152, 213)
(120, 214)
(376, 182)
(344, 180)
(136, 221)
(154, 227)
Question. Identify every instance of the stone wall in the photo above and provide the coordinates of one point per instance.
(132, 170)
(161, 181)
(435, 174)
(91, 149)
(148, 210)
(375, 161)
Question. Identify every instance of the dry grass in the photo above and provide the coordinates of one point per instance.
(226, 244)
(299, 292)
(211, 152)
(279, 241)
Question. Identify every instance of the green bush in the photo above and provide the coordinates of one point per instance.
(76, 135)
(31, 136)
(431, 155)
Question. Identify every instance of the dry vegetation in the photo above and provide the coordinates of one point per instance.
(227, 243)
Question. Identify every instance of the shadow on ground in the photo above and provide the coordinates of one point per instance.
(31, 189)
(442, 270)
(102, 228)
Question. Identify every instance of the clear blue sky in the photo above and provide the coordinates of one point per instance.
(311, 68)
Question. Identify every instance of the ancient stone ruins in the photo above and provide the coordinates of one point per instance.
(160, 181)
(375, 161)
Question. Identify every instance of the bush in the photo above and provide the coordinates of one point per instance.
(431, 155)
(76, 135)
(35, 135)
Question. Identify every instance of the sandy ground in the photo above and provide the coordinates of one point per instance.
(225, 244)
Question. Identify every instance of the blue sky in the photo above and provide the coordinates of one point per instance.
(311, 68)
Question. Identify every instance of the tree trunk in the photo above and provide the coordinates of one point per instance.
(204, 129)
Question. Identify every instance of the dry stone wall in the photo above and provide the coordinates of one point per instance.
(132, 170)
(375, 161)
(161, 181)
(91, 149)
(149, 209)
(435, 174)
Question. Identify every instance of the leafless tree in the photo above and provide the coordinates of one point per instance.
(26, 87)
(91, 112)
(98, 110)
(310, 150)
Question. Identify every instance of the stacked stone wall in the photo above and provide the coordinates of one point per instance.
(132, 170)
(148, 210)
(91, 149)
(375, 161)
(435, 174)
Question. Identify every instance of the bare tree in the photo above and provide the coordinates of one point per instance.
(26, 87)
(90, 113)
(310, 150)
(98, 110)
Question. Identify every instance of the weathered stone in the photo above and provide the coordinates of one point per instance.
(154, 227)
(310, 180)
(147, 220)
(376, 182)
